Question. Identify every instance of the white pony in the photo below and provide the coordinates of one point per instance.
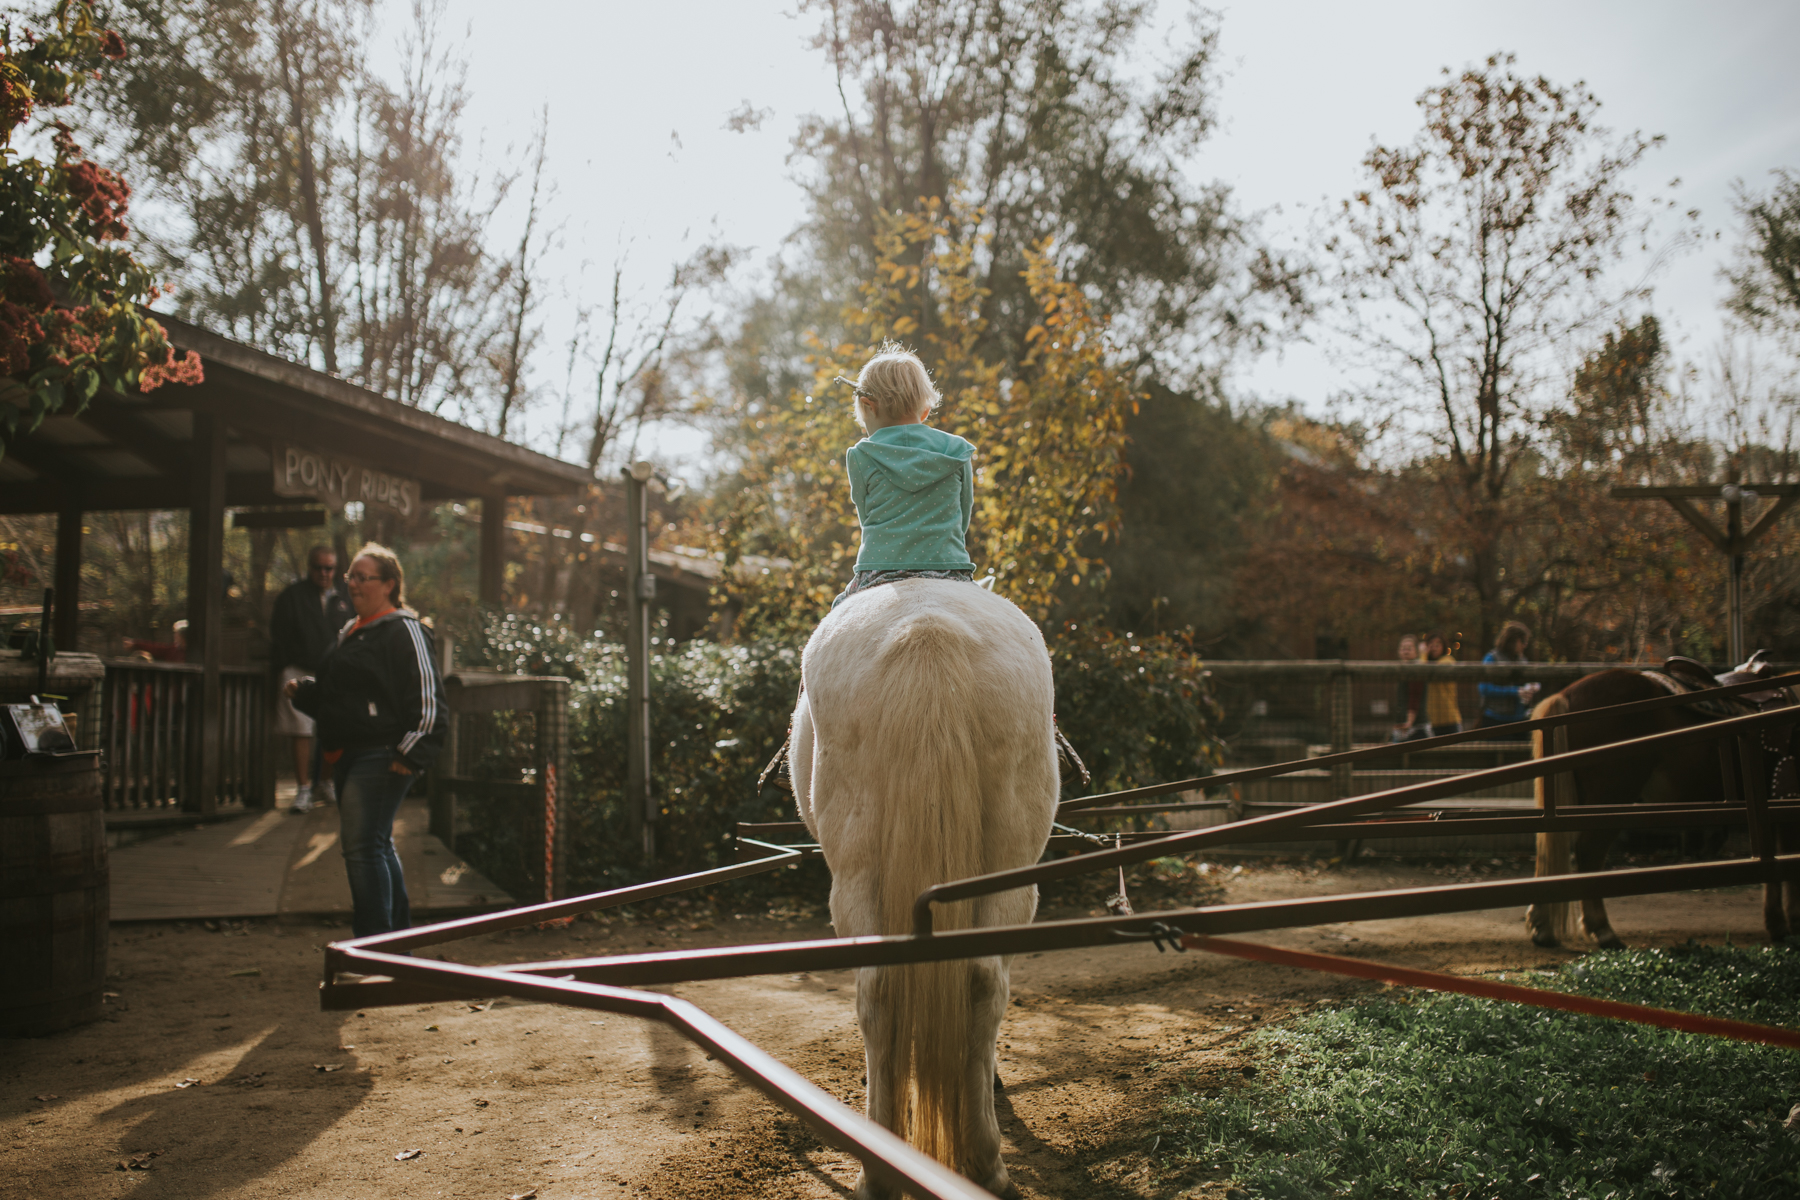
(923, 751)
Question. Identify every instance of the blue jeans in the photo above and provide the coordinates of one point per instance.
(368, 796)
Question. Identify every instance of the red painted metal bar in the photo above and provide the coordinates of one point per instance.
(1188, 842)
(1662, 1018)
(879, 1150)
(1224, 778)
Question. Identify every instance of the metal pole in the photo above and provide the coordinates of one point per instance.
(1734, 587)
(640, 590)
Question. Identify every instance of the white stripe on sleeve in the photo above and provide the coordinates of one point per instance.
(428, 697)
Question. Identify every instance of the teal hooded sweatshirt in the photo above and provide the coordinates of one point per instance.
(914, 490)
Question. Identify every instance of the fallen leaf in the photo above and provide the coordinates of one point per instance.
(346, 1047)
(48, 1098)
(482, 1007)
(328, 1066)
(247, 971)
(431, 1029)
(531, 1195)
(481, 1104)
(448, 1061)
(406, 1154)
(139, 1162)
(190, 1081)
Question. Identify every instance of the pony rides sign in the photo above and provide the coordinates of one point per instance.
(923, 750)
(300, 471)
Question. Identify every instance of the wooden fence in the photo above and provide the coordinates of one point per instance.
(150, 738)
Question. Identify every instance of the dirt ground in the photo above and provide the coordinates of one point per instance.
(215, 1075)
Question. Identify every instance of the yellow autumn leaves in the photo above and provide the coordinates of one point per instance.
(1049, 429)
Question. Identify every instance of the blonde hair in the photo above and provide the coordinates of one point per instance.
(896, 384)
(387, 566)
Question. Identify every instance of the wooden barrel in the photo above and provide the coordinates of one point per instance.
(53, 898)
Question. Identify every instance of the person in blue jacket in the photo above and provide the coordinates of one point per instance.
(913, 486)
(379, 707)
(1505, 703)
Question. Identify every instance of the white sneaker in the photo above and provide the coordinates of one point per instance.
(303, 801)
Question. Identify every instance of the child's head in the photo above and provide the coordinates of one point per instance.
(893, 389)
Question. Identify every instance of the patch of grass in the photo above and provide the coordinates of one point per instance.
(1421, 1095)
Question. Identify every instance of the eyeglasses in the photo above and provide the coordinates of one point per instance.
(359, 577)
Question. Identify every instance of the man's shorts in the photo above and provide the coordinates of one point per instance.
(288, 719)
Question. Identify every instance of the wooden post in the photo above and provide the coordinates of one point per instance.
(493, 547)
(640, 798)
(443, 792)
(1734, 542)
(205, 608)
(1341, 698)
(67, 574)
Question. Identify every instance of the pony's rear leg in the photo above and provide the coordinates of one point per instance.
(1590, 856)
(989, 985)
(1778, 919)
(1544, 921)
(875, 1014)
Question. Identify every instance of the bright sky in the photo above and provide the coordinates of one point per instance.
(638, 96)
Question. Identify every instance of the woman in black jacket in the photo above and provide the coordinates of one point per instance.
(379, 707)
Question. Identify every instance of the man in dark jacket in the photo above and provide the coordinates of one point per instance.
(304, 628)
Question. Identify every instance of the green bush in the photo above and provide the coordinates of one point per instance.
(1136, 709)
(719, 713)
(1419, 1096)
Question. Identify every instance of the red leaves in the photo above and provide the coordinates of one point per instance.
(184, 368)
(19, 332)
(102, 196)
(25, 285)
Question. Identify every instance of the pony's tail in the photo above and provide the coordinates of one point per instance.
(930, 719)
(1555, 851)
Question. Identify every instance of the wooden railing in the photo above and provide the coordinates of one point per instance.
(150, 737)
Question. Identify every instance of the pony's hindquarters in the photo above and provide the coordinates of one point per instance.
(930, 756)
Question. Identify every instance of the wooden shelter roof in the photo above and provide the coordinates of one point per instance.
(137, 452)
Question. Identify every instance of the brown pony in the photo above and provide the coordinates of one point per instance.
(1683, 773)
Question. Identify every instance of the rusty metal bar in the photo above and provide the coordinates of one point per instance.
(516, 918)
(1326, 761)
(1188, 842)
(834, 954)
(884, 1154)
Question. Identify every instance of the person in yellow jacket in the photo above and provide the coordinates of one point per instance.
(1441, 711)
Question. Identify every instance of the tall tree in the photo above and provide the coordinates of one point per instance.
(1040, 112)
(1765, 281)
(314, 208)
(1479, 251)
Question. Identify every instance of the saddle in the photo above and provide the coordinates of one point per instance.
(1687, 675)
